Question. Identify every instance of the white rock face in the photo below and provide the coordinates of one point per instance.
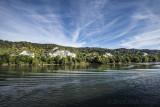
(63, 54)
(28, 54)
(12, 54)
(55, 48)
(107, 55)
(23, 47)
(145, 54)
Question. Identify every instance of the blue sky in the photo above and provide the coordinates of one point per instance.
(80, 23)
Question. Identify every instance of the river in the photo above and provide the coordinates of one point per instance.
(112, 85)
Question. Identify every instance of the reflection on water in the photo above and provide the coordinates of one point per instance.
(89, 85)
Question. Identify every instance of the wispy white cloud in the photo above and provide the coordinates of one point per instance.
(27, 24)
(90, 12)
(81, 23)
(107, 30)
(149, 34)
(146, 39)
(104, 28)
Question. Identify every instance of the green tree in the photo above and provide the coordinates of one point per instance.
(155, 59)
(105, 60)
(136, 59)
(118, 59)
(12, 60)
(57, 59)
(128, 59)
(4, 58)
(35, 61)
(74, 60)
(79, 59)
(64, 61)
(145, 59)
(98, 59)
(69, 59)
(111, 60)
(51, 60)
(1, 61)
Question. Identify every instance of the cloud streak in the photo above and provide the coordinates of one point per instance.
(149, 34)
(103, 23)
(144, 40)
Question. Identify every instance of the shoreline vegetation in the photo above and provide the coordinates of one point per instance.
(22, 53)
(59, 64)
(6, 59)
(80, 64)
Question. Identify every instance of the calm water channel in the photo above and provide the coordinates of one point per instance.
(80, 86)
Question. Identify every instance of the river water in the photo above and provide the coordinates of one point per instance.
(112, 85)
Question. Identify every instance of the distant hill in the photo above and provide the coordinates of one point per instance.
(35, 53)
(43, 49)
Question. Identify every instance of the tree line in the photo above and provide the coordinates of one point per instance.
(22, 59)
(8, 47)
(9, 54)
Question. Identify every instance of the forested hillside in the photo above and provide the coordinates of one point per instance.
(13, 53)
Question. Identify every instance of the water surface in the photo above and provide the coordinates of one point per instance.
(80, 86)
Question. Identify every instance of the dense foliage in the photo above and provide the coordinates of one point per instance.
(9, 54)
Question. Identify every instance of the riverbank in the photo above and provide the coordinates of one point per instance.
(43, 64)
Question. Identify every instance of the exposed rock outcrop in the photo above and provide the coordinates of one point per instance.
(27, 54)
(145, 54)
(55, 48)
(62, 53)
(107, 55)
